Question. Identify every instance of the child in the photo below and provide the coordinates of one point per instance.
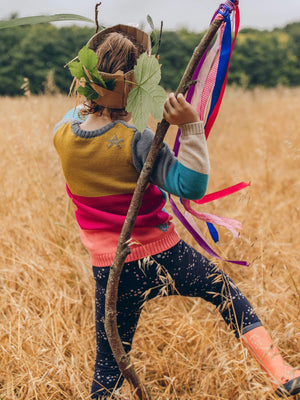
(101, 158)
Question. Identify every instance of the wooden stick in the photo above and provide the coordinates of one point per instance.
(123, 249)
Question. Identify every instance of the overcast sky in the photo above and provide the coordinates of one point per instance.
(192, 14)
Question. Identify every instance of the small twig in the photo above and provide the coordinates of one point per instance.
(69, 62)
(96, 16)
(159, 39)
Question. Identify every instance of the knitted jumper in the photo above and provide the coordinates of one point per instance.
(101, 168)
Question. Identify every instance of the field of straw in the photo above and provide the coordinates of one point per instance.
(182, 348)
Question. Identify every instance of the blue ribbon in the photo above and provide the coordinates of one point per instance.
(223, 61)
(213, 232)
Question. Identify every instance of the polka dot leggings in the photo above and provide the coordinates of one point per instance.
(192, 275)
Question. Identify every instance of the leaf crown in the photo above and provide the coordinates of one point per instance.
(115, 90)
(105, 89)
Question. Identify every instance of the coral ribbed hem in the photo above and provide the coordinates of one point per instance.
(138, 251)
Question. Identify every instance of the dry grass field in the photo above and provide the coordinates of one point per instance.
(182, 348)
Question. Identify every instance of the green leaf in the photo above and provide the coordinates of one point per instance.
(98, 79)
(88, 92)
(76, 69)
(141, 103)
(42, 19)
(110, 84)
(150, 22)
(147, 70)
(158, 98)
(148, 96)
(88, 58)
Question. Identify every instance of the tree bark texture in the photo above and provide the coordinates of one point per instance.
(123, 249)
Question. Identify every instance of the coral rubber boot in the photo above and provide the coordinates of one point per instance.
(284, 378)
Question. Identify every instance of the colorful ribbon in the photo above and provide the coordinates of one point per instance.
(222, 193)
(206, 95)
(189, 223)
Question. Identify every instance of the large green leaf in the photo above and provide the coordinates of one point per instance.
(148, 97)
(42, 19)
(147, 70)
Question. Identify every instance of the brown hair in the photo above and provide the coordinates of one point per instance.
(115, 52)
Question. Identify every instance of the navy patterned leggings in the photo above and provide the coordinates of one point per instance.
(193, 276)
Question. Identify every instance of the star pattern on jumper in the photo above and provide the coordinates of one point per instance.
(115, 141)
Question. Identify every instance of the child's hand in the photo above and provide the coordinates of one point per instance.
(178, 111)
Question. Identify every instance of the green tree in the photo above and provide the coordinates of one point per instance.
(175, 51)
(10, 77)
(293, 30)
(34, 52)
(265, 58)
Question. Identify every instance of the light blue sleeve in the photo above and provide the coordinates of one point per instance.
(169, 173)
(185, 182)
(70, 116)
(74, 114)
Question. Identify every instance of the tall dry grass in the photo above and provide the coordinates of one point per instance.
(182, 348)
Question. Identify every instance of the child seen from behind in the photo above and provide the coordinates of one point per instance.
(102, 157)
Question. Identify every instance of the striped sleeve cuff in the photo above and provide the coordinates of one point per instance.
(192, 128)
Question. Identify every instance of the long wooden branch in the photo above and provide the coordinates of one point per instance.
(123, 249)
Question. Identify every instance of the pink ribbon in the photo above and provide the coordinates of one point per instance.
(231, 224)
(222, 193)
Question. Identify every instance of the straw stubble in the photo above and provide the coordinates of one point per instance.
(182, 348)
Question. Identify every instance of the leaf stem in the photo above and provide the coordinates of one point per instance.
(133, 83)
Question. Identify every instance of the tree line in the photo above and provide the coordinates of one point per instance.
(39, 53)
